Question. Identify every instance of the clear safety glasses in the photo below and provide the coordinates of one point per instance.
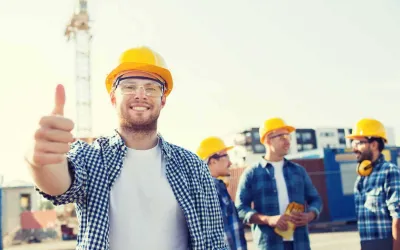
(132, 88)
(357, 143)
(284, 136)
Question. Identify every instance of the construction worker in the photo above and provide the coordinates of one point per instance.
(271, 185)
(133, 189)
(214, 152)
(377, 188)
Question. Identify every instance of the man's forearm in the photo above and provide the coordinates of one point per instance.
(396, 233)
(52, 179)
(259, 219)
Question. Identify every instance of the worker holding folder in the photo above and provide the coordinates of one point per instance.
(272, 195)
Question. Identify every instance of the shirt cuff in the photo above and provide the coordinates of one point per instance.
(315, 210)
(74, 192)
(248, 216)
(394, 212)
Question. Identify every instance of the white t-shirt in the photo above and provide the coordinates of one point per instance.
(144, 213)
(283, 196)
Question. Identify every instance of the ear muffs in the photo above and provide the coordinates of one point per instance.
(365, 168)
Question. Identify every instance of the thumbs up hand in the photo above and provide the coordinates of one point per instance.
(52, 138)
(59, 101)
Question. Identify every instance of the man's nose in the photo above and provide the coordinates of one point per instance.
(140, 93)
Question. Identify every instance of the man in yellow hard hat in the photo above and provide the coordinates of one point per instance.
(377, 188)
(271, 185)
(133, 189)
(214, 152)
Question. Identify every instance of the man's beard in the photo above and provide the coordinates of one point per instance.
(366, 155)
(141, 126)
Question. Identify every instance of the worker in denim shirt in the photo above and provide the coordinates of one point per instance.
(213, 151)
(271, 185)
(377, 188)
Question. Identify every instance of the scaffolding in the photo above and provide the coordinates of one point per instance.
(78, 30)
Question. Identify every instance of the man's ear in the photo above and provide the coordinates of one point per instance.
(163, 101)
(267, 140)
(112, 98)
(375, 145)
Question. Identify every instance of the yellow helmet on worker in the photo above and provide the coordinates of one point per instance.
(368, 127)
(210, 146)
(271, 125)
(141, 59)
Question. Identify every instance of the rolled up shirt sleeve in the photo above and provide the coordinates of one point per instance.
(76, 193)
(244, 196)
(392, 190)
(312, 196)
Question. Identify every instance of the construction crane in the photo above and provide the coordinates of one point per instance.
(78, 30)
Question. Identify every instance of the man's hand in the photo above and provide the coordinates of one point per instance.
(279, 221)
(52, 138)
(302, 219)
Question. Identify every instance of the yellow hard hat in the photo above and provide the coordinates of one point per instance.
(210, 146)
(368, 127)
(271, 125)
(144, 59)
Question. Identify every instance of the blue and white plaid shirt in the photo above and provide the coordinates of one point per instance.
(95, 168)
(257, 184)
(377, 200)
(234, 229)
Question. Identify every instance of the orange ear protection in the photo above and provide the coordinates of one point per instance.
(365, 167)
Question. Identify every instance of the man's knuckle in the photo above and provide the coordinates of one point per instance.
(42, 120)
(37, 159)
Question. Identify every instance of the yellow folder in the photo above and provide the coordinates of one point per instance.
(292, 207)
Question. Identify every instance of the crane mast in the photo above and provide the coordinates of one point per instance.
(78, 29)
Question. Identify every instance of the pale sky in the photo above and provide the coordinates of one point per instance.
(234, 63)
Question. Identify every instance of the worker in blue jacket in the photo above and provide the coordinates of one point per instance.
(271, 185)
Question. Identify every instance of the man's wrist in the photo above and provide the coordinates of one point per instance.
(311, 216)
(265, 219)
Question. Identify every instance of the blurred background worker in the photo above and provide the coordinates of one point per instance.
(271, 185)
(377, 188)
(213, 151)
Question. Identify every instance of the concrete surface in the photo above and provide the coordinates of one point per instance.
(345, 240)
(341, 237)
(53, 245)
(329, 241)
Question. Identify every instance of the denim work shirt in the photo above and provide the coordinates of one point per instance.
(257, 184)
(234, 230)
(95, 168)
(377, 200)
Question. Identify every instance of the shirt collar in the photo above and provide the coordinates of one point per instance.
(264, 162)
(116, 143)
(380, 159)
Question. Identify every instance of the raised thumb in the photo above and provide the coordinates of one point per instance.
(59, 100)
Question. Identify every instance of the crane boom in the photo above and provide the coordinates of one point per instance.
(78, 29)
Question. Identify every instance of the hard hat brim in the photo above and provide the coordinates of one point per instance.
(355, 136)
(228, 148)
(163, 73)
(224, 149)
(290, 129)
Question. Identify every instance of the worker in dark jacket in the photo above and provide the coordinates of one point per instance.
(213, 151)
